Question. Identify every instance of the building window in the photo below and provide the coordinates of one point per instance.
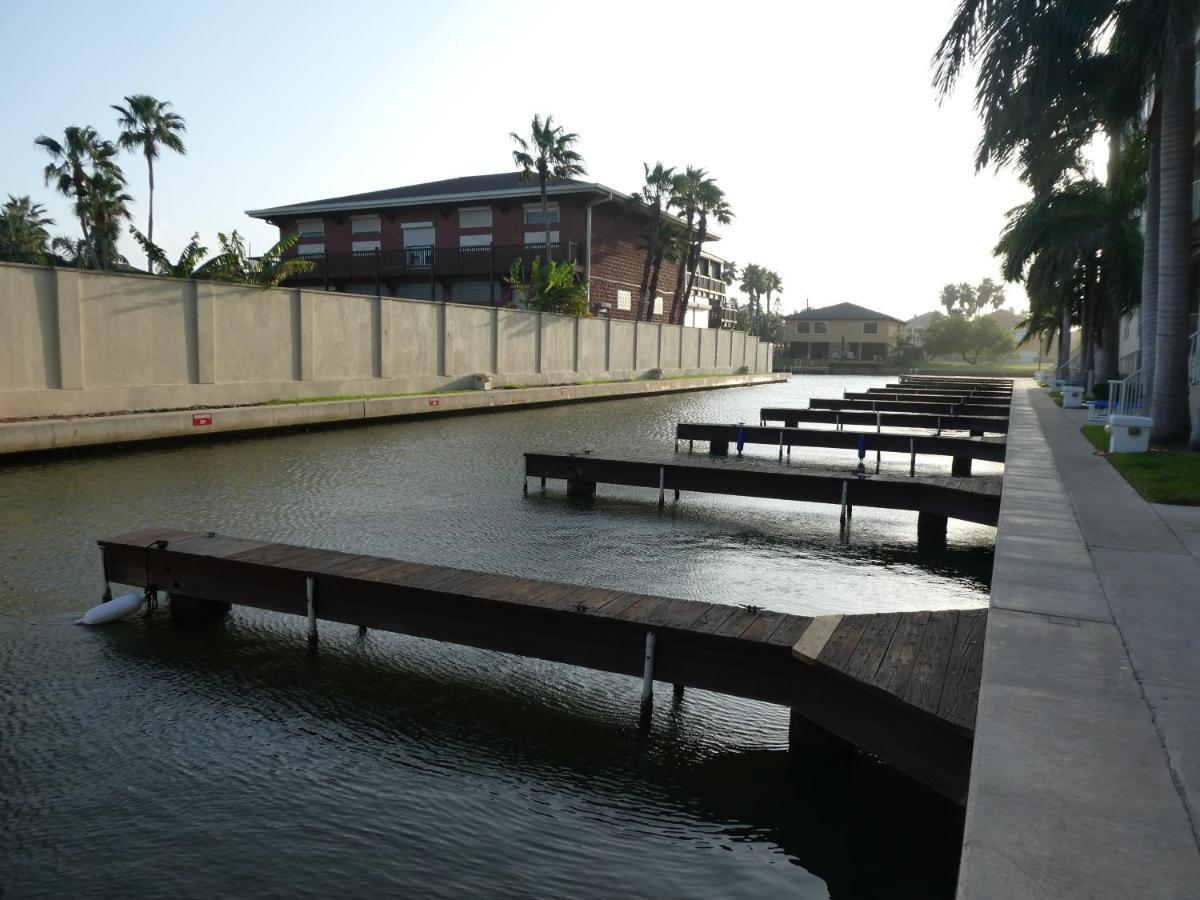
(364, 224)
(820, 328)
(539, 237)
(658, 306)
(474, 240)
(475, 217)
(533, 214)
(418, 244)
(310, 249)
(311, 228)
(365, 246)
(870, 328)
(624, 299)
(803, 328)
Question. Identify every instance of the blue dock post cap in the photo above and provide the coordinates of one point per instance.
(741, 439)
(862, 446)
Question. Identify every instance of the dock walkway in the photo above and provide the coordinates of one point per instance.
(1086, 776)
(902, 686)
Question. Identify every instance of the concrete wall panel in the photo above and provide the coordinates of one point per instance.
(518, 343)
(415, 334)
(708, 348)
(136, 330)
(620, 349)
(558, 343)
(593, 335)
(28, 329)
(252, 334)
(468, 339)
(342, 336)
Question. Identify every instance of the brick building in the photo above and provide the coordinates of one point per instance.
(455, 240)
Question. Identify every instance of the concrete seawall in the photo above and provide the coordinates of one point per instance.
(41, 435)
(77, 343)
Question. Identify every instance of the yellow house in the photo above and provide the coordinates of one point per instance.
(841, 331)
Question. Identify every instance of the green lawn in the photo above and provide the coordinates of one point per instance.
(1161, 476)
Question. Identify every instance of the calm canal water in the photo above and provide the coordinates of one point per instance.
(144, 759)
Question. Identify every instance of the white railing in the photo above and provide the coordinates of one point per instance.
(1127, 396)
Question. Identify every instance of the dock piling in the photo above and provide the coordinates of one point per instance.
(931, 531)
(310, 590)
(662, 494)
(648, 671)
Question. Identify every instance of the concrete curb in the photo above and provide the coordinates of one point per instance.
(42, 435)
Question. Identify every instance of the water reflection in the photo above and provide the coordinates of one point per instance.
(394, 765)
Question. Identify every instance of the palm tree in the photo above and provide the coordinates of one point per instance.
(234, 262)
(711, 204)
(184, 267)
(104, 206)
(651, 200)
(148, 124)
(1044, 58)
(771, 283)
(685, 198)
(753, 285)
(669, 246)
(73, 252)
(80, 153)
(547, 154)
(23, 235)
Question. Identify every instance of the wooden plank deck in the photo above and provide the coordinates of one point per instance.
(856, 676)
(792, 417)
(921, 405)
(970, 499)
(990, 449)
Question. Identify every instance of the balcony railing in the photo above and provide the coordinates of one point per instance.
(712, 286)
(428, 262)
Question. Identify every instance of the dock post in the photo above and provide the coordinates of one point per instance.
(310, 589)
(578, 489)
(661, 488)
(931, 531)
(961, 465)
(718, 448)
(648, 670)
(781, 445)
(184, 607)
(691, 444)
(677, 695)
(912, 457)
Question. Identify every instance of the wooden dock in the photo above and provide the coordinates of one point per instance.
(990, 449)
(793, 417)
(1001, 401)
(935, 499)
(922, 404)
(901, 686)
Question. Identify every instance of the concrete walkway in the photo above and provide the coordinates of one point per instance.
(1085, 780)
(42, 435)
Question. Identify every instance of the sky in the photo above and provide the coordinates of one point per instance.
(846, 174)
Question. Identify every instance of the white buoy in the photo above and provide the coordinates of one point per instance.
(112, 610)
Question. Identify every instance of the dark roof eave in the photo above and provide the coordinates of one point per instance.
(595, 188)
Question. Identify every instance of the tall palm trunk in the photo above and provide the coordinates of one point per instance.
(1064, 341)
(150, 223)
(1087, 325)
(80, 194)
(651, 249)
(681, 269)
(1169, 406)
(654, 273)
(1149, 312)
(545, 212)
(694, 262)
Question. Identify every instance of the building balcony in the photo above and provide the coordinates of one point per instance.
(713, 288)
(426, 262)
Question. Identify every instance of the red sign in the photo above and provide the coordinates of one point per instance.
(201, 418)
(434, 401)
